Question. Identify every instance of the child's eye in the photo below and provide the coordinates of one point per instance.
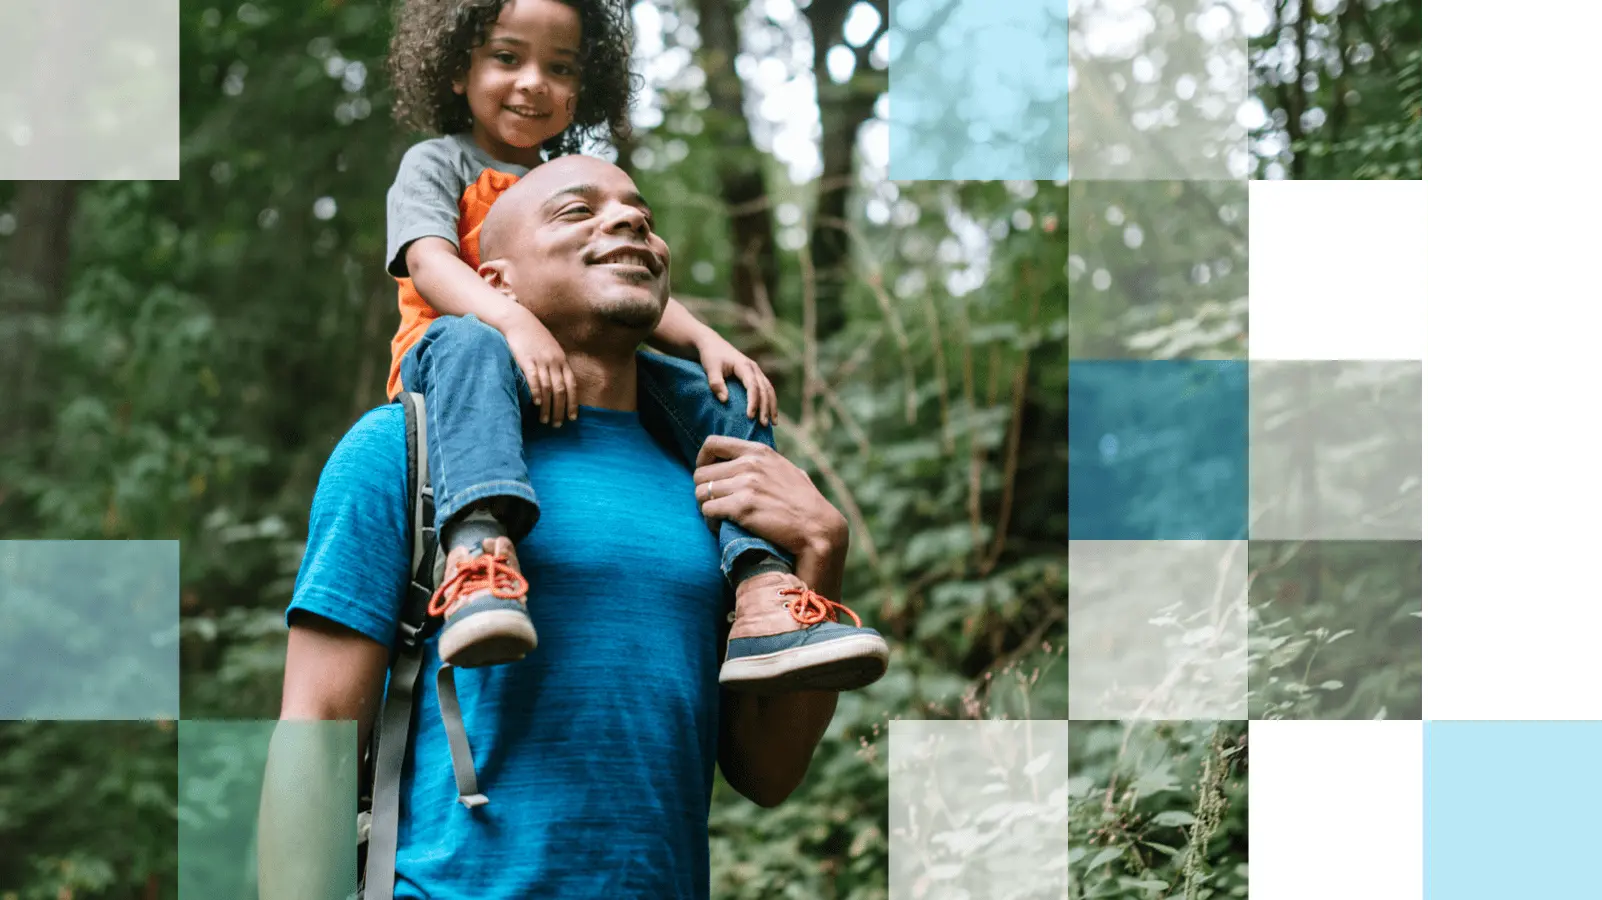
(564, 70)
(505, 57)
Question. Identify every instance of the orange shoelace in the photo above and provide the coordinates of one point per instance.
(485, 571)
(812, 607)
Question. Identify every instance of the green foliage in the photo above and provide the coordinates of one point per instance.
(1352, 105)
(1336, 630)
(93, 807)
(1157, 810)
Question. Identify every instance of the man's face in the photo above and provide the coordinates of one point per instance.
(584, 247)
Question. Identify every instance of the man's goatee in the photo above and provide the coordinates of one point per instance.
(633, 315)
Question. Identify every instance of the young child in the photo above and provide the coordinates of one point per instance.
(508, 82)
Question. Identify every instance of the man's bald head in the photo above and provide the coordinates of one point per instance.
(515, 206)
(573, 241)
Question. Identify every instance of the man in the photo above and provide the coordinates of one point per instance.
(597, 749)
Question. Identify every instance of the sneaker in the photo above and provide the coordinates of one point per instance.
(484, 601)
(787, 637)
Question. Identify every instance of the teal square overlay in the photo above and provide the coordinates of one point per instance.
(276, 795)
(91, 630)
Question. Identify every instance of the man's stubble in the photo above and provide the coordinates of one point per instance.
(633, 311)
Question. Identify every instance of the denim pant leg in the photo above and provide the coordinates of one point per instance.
(475, 396)
(674, 395)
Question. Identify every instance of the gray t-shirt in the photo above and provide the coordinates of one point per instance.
(425, 200)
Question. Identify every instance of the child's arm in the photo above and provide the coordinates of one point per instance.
(454, 289)
(681, 334)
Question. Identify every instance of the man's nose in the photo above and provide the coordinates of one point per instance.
(624, 215)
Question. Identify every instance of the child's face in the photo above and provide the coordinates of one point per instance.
(523, 82)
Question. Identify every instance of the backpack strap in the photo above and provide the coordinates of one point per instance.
(391, 739)
(378, 826)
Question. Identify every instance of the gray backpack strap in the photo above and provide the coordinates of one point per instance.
(379, 826)
(392, 737)
(395, 725)
(450, 711)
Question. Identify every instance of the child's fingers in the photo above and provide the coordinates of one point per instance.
(558, 397)
(533, 382)
(544, 385)
(572, 391)
(757, 389)
(714, 380)
(770, 402)
(753, 393)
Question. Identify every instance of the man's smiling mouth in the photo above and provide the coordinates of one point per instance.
(630, 256)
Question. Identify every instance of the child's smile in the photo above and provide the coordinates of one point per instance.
(523, 82)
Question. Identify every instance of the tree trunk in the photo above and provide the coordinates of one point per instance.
(843, 108)
(33, 284)
(1293, 123)
(33, 289)
(755, 271)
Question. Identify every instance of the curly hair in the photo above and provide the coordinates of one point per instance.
(433, 46)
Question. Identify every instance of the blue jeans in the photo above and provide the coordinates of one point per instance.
(476, 396)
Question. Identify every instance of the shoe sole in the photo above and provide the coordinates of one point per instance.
(843, 664)
(488, 638)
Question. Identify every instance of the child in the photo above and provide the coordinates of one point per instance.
(508, 82)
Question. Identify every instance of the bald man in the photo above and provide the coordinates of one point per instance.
(597, 750)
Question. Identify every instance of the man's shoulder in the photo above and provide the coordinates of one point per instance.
(357, 546)
(378, 429)
(373, 450)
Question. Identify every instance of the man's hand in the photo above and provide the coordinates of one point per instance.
(752, 485)
(722, 360)
(544, 365)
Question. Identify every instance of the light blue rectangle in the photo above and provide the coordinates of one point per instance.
(89, 90)
(266, 798)
(1429, 775)
(978, 90)
(1510, 809)
(91, 630)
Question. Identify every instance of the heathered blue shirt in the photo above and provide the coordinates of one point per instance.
(597, 750)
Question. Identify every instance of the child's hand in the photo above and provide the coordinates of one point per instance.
(545, 366)
(721, 360)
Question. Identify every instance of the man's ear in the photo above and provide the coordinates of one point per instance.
(494, 274)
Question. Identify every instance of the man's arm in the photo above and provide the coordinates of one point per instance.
(342, 620)
(306, 837)
(766, 743)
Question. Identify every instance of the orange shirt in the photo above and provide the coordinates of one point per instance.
(416, 314)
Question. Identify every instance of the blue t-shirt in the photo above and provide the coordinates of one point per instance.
(597, 750)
